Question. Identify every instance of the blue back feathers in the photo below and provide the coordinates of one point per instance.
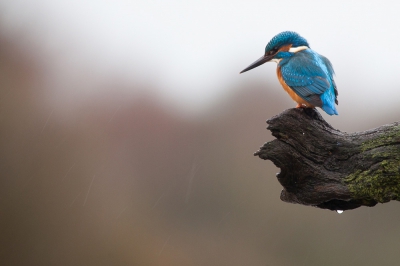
(285, 38)
(310, 75)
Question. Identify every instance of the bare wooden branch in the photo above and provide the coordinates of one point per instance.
(329, 169)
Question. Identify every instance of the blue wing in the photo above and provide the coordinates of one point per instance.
(331, 72)
(304, 73)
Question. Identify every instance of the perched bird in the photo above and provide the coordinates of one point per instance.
(304, 74)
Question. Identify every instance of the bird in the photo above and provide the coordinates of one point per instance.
(303, 73)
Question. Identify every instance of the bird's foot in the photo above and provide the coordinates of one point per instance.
(300, 105)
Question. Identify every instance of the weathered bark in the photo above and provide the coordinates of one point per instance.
(329, 169)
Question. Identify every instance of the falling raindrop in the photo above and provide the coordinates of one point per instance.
(339, 211)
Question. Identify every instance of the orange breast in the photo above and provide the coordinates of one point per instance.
(291, 93)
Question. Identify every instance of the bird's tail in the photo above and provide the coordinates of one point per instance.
(328, 101)
(329, 110)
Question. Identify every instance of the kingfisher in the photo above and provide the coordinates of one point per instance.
(303, 73)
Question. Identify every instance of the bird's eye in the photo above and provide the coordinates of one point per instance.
(273, 51)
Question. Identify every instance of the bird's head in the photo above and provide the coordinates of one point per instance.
(287, 41)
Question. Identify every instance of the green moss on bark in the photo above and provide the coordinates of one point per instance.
(391, 137)
(381, 182)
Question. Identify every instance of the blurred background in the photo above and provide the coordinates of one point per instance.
(127, 134)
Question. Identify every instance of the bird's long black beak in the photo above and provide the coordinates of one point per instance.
(259, 62)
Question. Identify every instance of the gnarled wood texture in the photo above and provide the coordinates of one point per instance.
(329, 169)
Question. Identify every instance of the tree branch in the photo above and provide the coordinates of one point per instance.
(329, 169)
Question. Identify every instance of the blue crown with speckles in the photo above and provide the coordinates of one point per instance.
(285, 38)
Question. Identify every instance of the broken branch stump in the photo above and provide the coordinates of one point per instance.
(323, 167)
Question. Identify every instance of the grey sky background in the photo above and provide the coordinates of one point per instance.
(193, 50)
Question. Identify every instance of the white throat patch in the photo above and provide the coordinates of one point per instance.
(297, 49)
